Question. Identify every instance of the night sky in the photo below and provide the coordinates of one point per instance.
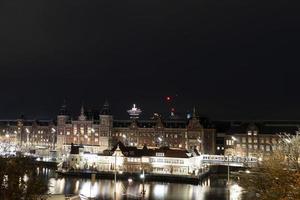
(233, 59)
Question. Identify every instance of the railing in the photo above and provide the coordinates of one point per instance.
(227, 160)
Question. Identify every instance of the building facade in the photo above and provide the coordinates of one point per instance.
(101, 132)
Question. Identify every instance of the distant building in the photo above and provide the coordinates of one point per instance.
(99, 132)
(103, 133)
(253, 138)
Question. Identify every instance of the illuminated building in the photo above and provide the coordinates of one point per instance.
(255, 138)
(161, 160)
(102, 132)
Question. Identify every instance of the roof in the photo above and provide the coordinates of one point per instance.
(262, 127)
(130, 151)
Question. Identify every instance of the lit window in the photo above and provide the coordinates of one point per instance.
(68, 132)
(249, 133)
(244, 140)
(254, 140)
(249, 140)
(75, 131)
(250, 146)
(254, 132)
(268, 148)
(255, 146)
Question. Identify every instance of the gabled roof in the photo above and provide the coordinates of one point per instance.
(130, 151)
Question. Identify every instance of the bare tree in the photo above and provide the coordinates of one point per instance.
(278, 177)
(20, 181)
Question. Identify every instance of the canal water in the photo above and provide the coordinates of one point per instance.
(213, 188)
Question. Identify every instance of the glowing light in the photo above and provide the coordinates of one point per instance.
(160, 191)
(134, 112)
(130, 180)
(235, 192)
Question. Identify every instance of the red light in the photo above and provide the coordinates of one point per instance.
(173, 109)
(168, 98)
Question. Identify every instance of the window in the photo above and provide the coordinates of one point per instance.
(254, 132)
(75, 131)
(249, 133)
(262, 147)
(274, 141)
(255, 140)
(160, 154)
(268, 148)
(267, 140)
(229, 142)
(255, 146)
(249, 140)
(243, 140)
(244, 146)
(250, 146)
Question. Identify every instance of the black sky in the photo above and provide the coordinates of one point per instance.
(234, 59)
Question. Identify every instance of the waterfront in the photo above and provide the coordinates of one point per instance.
(213, 188)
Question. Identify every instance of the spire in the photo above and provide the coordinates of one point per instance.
(82, 110)
(105, 109)
(194, 112)
(194, 122)
(82, 116)
(63, 109)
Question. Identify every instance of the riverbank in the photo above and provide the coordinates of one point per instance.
(149, 177)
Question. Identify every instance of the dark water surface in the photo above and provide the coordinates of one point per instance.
(213, 188)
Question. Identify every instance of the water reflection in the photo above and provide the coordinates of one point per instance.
(211, 189)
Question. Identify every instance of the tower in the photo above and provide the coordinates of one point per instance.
(134, 112)
(82, 116)
(106, 127)
(62, 119)
(195, 136)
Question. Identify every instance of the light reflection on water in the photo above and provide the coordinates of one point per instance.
(210, 189)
